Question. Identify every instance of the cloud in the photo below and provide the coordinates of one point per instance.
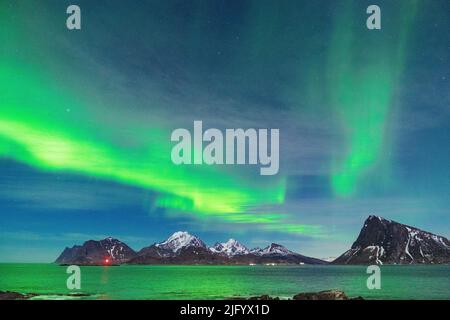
(29, 190)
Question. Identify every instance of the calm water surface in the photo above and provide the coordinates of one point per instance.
(219, 282)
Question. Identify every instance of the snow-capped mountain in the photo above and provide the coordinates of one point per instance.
(217, 247)
(256, 251)
(179, 240)
(280, 254)
(272, 249)
(181, 248)
(383, 241)
(276, 249)
(230, 248)
(380, 241)
(106, 251)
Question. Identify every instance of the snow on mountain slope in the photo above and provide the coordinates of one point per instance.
(272, 249)
(384, 241)
(179, 240)
(276, 249)
(231, 248)
(256, 251)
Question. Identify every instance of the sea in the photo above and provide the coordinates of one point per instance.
(130, 282)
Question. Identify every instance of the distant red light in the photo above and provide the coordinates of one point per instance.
(106, 261)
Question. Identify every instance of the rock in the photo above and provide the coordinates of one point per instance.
(322, 295)
(11, 295)
(264, 297)
(333, 294)
(78, 294)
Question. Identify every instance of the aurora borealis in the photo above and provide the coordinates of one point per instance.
(364, 109)
(86, 117)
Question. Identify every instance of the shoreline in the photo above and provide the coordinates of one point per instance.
(332, 294)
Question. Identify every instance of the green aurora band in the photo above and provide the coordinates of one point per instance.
(363, 79)
(38, 129)
(49, 144)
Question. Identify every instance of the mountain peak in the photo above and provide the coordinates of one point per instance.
(256, 251)
(231, 247)
(386, 241)
(179, 240)
(179, 234)
(93, 252)
(374, 218)
(275, 248)
(110, 239)
(180, 248)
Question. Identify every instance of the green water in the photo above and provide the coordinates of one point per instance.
(219, 282)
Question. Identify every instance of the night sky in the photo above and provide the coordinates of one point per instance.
(86, 117)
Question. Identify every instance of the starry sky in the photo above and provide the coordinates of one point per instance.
(86, 117)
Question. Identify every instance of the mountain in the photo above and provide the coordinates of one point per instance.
(276, 249)
(106, 251)
(179, 240)
(256, 251)
(230, 248)
(183, 248)
(276, 253)
(180, 248)
(273, 249)
(383, 241)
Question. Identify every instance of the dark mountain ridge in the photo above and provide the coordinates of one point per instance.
(180, 248)
(106, 251)
(383, 241)
(380, 241)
